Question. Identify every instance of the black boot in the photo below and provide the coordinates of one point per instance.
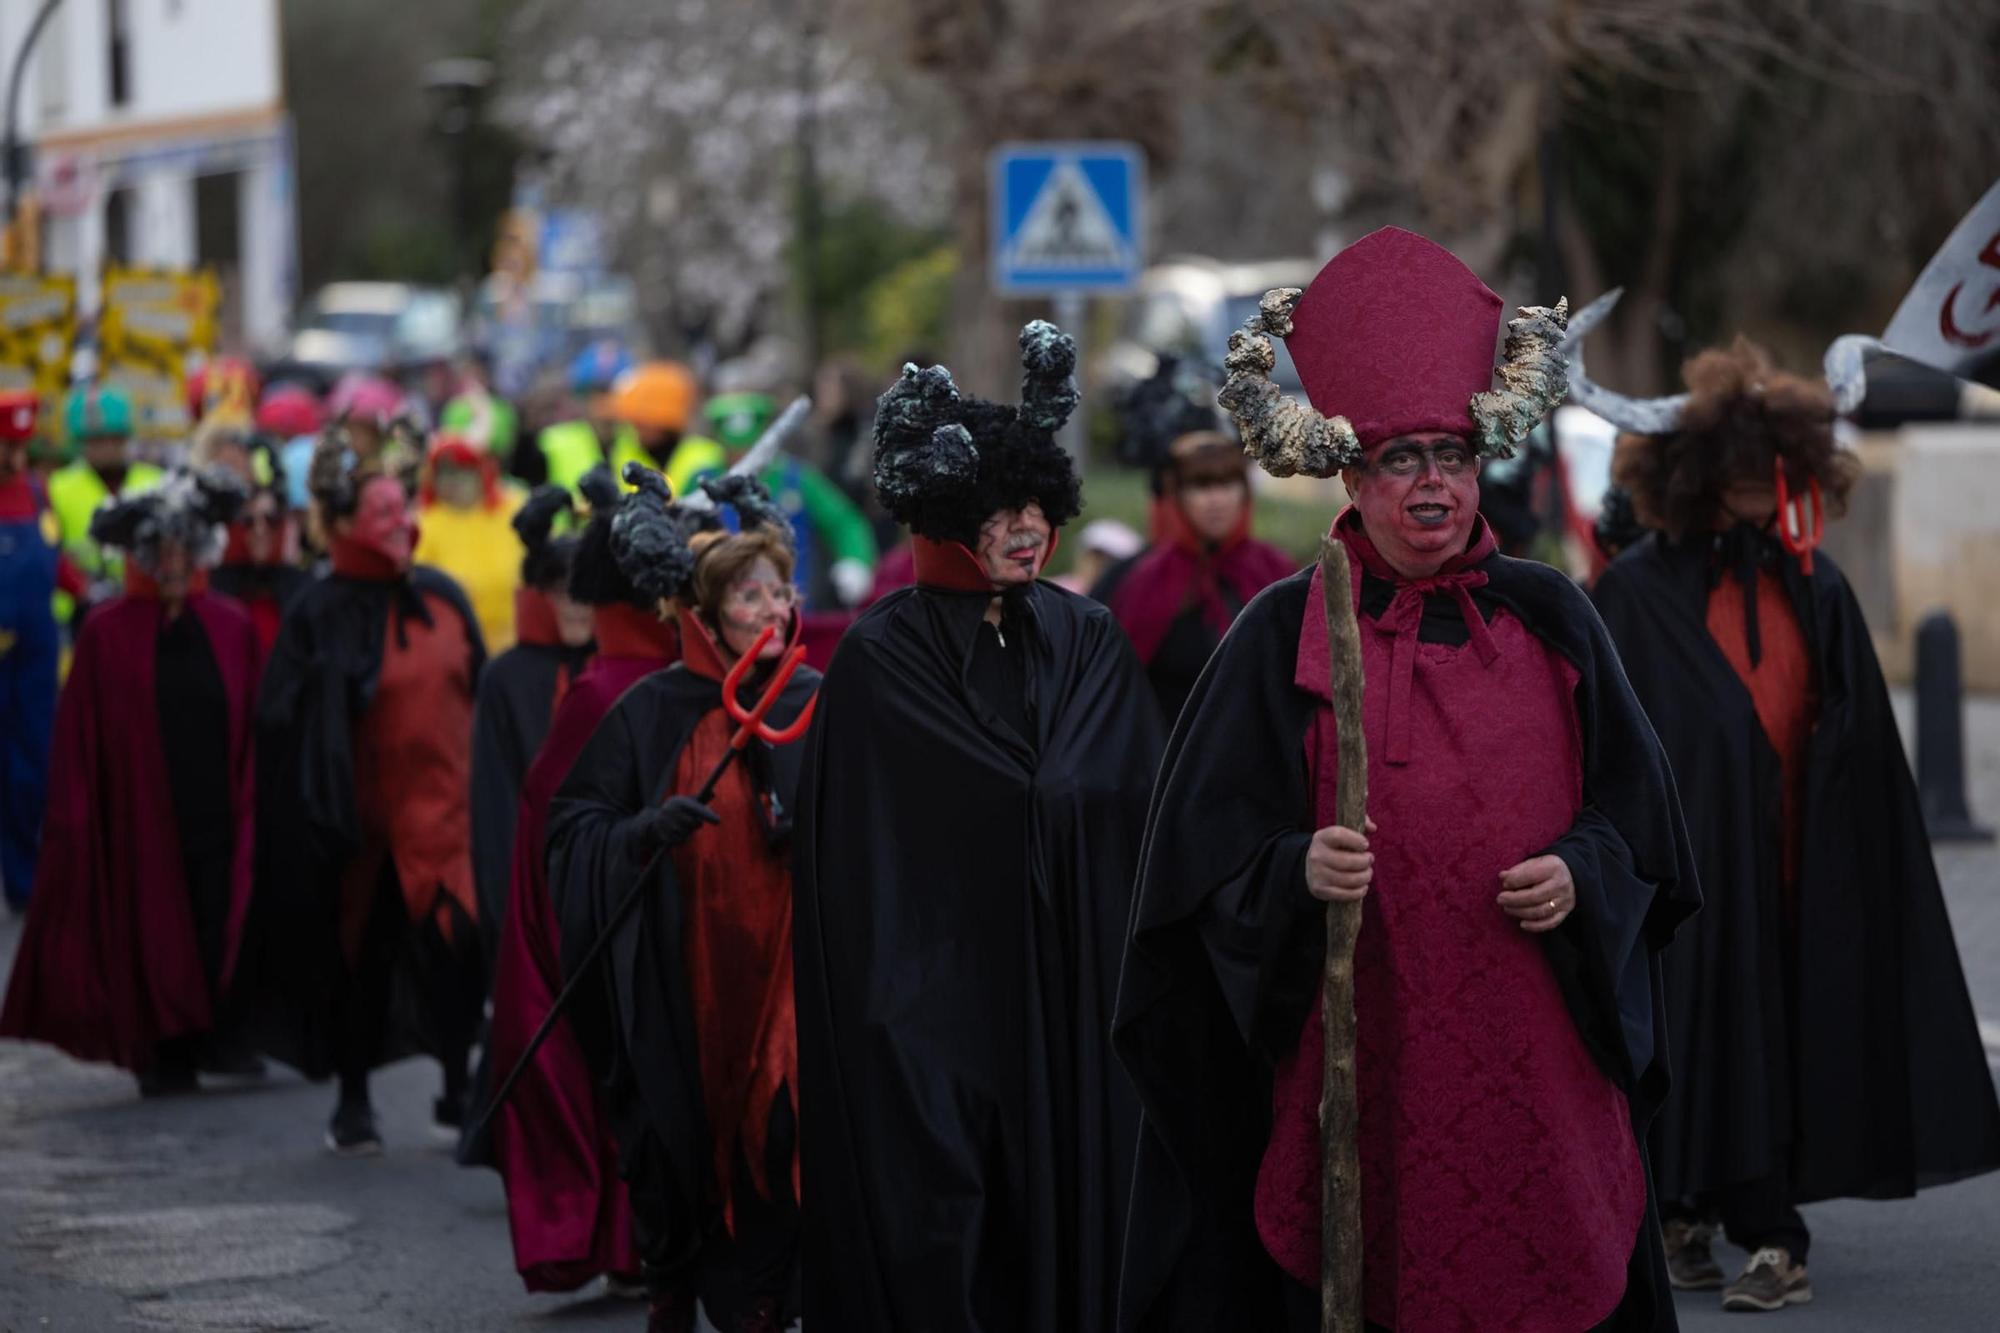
(352, 1130)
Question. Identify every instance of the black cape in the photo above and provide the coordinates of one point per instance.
(1879, 1085)
(318, 682)
(247, 582)
(635, 1021)
(517, 693)
(1227, 946)
(961, 896)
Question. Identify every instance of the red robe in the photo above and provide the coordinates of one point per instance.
(566, 1206)
(108, 964)
(1501, 1184)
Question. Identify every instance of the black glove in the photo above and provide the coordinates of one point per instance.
(669, 825)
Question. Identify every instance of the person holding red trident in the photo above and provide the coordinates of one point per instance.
(686, 789)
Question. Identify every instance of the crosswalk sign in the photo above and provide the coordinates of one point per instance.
(1067, 217)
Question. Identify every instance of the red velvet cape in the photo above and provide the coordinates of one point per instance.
(552, 1143)
(108, 965)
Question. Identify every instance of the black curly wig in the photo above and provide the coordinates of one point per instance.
(545, 566)
(1176, 400)
(1743, 415)
(191, 508)
(595, 578)
(654, 540)
(944, 464)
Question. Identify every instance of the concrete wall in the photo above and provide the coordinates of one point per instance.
(1923, 535)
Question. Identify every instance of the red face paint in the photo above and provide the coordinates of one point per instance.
(1420, 520)
(381, 521)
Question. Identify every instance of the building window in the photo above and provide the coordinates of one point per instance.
(120, 28)
(118, 226)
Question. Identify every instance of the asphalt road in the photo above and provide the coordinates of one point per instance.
(222, 1212)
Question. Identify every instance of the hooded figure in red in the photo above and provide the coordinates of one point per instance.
(368, 929)
(552, 1142)
(1176, 599)
(690, 1028)
(521, 688)
(1521, 866)
(136, 924)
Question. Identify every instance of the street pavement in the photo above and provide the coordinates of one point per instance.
(222, 1211)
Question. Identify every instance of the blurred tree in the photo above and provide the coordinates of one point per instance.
(908, 309)
(680, 125)
(1783, 168)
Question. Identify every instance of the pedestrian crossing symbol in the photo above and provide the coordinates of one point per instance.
(1066, 217)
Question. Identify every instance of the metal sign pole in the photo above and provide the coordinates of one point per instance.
(1071, 318)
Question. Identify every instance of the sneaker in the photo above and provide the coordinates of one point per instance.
(352, 1131)
(1771, 1281)
(1691, 1265)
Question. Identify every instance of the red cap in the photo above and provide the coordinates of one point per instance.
(1396, 335)
(18, 409)
(289, 411)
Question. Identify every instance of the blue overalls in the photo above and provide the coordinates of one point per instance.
(29, 650)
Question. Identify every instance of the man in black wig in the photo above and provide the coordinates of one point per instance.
(968, 831)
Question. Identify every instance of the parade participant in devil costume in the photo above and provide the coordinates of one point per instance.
(259, 565)
(135, 928)
(1823, 1042)
(689, 1024)
(1177, 599)
(552, 1142)
(368, 925)
(32, 568)
(969, 824)
(1521, 865)
(521, 687)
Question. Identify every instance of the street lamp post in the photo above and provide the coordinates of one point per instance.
(12, 147)
(455, 86)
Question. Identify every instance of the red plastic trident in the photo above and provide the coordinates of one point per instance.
(1801, 524)
(749, 726)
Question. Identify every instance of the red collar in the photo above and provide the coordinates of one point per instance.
(140, 584)
(702, 654)
(953, 567)
(628, 631)
(535, 618)
(356, 560)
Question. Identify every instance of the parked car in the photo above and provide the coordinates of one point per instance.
(374, 326)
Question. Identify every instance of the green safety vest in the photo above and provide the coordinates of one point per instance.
(571, 449)
(75, 492)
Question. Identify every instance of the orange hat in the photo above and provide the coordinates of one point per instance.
(657, 395)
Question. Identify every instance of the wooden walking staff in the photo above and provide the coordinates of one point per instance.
(1339, 1149)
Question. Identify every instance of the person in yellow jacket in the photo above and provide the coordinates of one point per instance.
(98, 422)
(466, 528)
(642, 419)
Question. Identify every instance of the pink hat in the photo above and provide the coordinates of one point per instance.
(1396, 335)
(363, 395)
(289, 411)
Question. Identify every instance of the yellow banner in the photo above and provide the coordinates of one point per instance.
(154, 321)
(37, 335)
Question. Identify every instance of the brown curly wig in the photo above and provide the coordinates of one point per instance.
(1742, 415)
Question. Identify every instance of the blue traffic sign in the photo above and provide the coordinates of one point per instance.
(1067, 217)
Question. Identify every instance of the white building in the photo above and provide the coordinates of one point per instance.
(160, 137)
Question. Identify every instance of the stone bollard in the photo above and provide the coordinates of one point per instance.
(1941, 734)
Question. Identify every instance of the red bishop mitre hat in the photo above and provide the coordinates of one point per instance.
(18, 409)
(1396, 335)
